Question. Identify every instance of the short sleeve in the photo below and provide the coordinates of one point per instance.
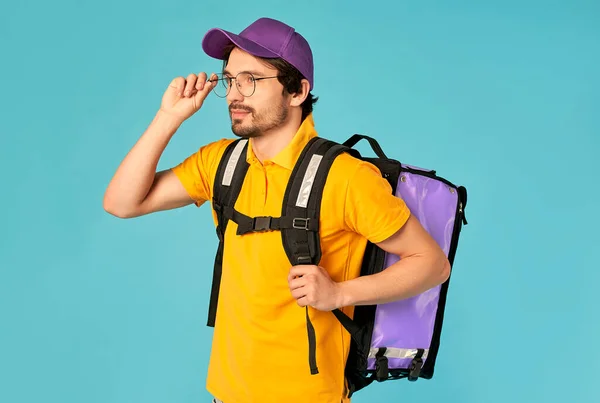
(198, 170)
(371, 209)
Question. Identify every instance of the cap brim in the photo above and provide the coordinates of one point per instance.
(216, 40)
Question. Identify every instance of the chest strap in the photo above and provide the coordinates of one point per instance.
(248, 224)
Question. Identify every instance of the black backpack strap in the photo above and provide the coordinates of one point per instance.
(301, 207)
(309, 176)
(351, 142)
(226, 189)
(302, 200)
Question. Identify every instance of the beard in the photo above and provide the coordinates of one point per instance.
(268, 119)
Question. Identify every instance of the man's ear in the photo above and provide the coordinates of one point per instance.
(300, 96)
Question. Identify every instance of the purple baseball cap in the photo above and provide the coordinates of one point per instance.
(267, 38)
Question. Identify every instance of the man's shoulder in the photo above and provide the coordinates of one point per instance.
(216, 147)
(210, 154)
(346, 167)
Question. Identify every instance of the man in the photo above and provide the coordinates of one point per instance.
(259, 351)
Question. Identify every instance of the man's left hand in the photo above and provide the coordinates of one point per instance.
(311, 285)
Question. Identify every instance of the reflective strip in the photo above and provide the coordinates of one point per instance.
(309, 179)
(398, 352)
(233, 160)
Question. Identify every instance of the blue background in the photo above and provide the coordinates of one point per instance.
(501, 97)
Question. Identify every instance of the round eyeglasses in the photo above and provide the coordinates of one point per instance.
(245, 83)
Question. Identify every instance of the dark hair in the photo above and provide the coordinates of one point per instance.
(289, 77)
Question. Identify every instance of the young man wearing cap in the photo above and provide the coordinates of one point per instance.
(259, 351)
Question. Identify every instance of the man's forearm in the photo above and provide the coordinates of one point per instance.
(135, 175)
(404, 279)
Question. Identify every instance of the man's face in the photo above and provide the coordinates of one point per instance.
(266, 109)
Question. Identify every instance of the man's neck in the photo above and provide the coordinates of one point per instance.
(273, 142)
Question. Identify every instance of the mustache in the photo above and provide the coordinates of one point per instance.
(240, 107)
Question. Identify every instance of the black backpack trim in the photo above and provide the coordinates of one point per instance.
(225, 194)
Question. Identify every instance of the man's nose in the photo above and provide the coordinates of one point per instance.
(234, 93)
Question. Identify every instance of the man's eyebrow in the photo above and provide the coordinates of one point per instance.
(253, 72)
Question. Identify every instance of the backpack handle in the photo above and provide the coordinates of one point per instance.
(351, 142)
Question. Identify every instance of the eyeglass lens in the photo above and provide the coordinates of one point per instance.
(244, 81)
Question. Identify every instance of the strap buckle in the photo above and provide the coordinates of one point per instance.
(261, 223)
(300, 223)
(381, 368)
(304, 259)
(415, 369)
(381, 365)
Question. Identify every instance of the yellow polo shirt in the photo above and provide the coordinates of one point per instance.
(260, 346)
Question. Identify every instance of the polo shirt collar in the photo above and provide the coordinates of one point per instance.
(289, 155)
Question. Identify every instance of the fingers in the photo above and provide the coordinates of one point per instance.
(298, 271)
(299, 293)
(298, 279)
(190, 85)
(200, 82)
(298, 282)
(302, 301)
(204, 88)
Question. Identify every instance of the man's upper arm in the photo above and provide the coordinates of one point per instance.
(410, 240)
(371, 209)
(167, 192)
(383, 218)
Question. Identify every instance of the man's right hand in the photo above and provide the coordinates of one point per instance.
(185, 96)
(136, 188)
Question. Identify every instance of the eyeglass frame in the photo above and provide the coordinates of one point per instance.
(254, 78)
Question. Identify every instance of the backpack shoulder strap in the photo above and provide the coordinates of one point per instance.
(302, 206)
(302, 200)
(226, 189)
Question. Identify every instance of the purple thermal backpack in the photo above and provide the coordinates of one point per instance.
(389, 341)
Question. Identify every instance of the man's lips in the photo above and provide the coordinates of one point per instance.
(238, 113)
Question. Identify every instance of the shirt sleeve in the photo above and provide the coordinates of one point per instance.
(371, 209)
(197, 171)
